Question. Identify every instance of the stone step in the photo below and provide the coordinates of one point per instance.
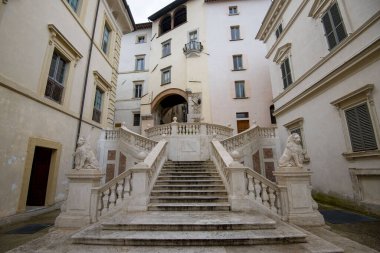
(187, 199)
(189, 166)
(188, 192)
(177, 177)
(221, 206)
(192, 221)
(189, 173)
(187, 170)
(280, 235)
(189, 182)
(189, 187)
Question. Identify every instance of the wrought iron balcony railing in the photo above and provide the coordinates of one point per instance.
(192, 47)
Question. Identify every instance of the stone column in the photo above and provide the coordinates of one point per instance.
(76, 209)
(298, 202)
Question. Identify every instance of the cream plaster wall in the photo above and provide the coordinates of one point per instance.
(25, 112)
(221, 78)
(126, 104)
(311, 63)
(185, 72)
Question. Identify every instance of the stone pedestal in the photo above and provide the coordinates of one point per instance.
(294, 183)
(238, 184)
(76, 210)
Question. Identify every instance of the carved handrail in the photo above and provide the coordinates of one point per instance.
(159, 130)
(138, 141)
(155, 161)
(263, 191)
(248, 136)
(222, 159)
(189, 128)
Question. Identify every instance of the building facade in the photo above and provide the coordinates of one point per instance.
(133, 76)
(324, 62)
(204, 65)
(58, 76)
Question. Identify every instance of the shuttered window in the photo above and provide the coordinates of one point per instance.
(334, 27)
(360, 128)
(286, 73)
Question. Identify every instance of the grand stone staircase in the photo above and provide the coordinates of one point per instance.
(189, 186)
(189, 207)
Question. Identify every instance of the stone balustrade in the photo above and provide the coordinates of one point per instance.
(131, 189)
(247, 137)
(244, 184)
(189, 129)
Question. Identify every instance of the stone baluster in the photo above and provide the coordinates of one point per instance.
(119, 190)
(105, 199)
(112, 198)
(251, 188)
(127, 186)
(272, 200)
(265, 196)
(258, 191)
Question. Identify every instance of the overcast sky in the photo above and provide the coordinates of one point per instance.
(142, 9)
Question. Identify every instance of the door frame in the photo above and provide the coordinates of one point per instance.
(53, 170)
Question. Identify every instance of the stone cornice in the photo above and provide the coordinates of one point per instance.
(282, 52)
(271, 18)
(319, 7)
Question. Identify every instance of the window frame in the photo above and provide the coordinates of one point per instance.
(137, 65)
(232, 28)
(237, 66)
(59, 43)
(288, 73)
(163, 71)
(333, 31)
(135, 90)
(279, 30)
(134, 119)
(242, 83)
(138, 39)
(53, 79)
(233, 13)
(165, 43)
(353, 99)
(103, 85)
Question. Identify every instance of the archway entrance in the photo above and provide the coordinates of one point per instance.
(170, 103)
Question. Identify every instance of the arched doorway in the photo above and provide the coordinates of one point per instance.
(168, 104)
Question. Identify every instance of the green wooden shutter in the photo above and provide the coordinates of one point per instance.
(360, 128)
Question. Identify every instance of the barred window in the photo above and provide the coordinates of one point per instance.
(56, 79)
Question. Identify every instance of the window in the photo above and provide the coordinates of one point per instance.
(193, 36)
(286, 73)
(360, 128)
(233, 10)
(140, 39)
(241, 115)
(332, 21)
(56, 79)
(279, 30)
(140, 63)
(238, 62)
(136, 119)
(166, 24)
(166, 75)
(74, 4)
(235, 33)
(166, 48)
(138, 90)
(180, 16)
(106, 38)
(239, 89)
(272, 117)
(97, 111)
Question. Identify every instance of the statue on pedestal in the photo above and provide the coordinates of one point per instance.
(84, 157)
(293, 155)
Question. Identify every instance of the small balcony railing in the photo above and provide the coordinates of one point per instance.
(192, 47)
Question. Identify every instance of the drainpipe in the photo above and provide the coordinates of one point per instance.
(86, 77)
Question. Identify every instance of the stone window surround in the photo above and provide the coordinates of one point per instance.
(135, 83)
(283, 53)
(110, 51)
(139, 36)
(103, 85)
(139, 57)
(166, 42)
(298, 124)
(352, 99)
(81, 10)
(59, 43)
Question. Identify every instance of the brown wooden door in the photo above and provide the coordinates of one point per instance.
(242, 125)
(39, 177)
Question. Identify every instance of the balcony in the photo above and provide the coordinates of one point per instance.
(192, 48)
